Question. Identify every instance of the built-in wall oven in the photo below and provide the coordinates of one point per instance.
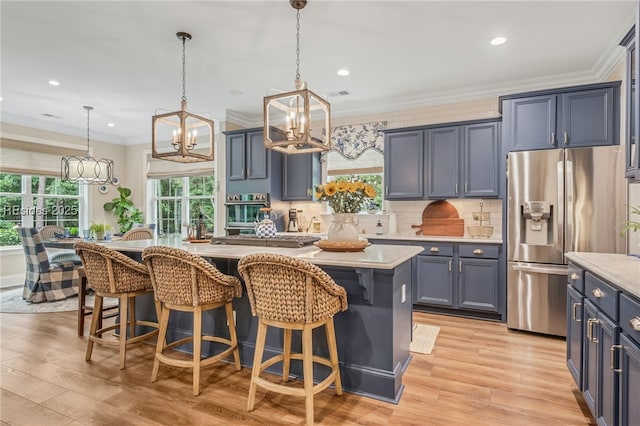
(242, 212)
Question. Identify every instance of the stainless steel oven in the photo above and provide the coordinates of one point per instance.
(242, 212)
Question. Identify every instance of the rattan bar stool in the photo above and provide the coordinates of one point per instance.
(112, 274)
(186, 282)
(292, 294)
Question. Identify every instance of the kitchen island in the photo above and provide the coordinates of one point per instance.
(373, 335)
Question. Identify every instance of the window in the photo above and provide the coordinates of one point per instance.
(37, 201)
(374, 180)
(181, 200)
(368, 167)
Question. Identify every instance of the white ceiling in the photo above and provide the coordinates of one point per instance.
(124, 59)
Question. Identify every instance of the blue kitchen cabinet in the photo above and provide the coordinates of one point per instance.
(404, 163)
(573, 117)
(632, 170)
(629, 382)
(300, 174)
(575, 319)
(434, 275)
(463, 161)
(249, 164)
(478, 277)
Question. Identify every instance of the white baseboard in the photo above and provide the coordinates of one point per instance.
(11, 280)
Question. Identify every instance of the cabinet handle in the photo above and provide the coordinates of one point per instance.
(613, 357)
(574, 276)
(589, 321)
(449, 266)
(597, 293)
(553, 138)
(434, 250)
(242, 172)
(478, 251)
(249, 172)
(456, 188)
(574, 314)
(466, 186)
(566, 138)
(594, 339)
(635, 323)
(308, 192)
(386, 190)
(460, 266)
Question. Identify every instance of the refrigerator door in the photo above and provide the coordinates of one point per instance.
(535, 206)
(537, 298)
(595, 199)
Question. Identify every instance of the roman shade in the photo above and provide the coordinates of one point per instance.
(158, 169)
(29, 158)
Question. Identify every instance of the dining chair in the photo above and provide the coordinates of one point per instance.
(292, 294)
(49, 232)
(45, 280)
(138, 234)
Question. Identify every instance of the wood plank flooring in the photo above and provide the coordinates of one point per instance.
(479, 373)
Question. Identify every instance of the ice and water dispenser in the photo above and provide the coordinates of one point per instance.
(536, 222)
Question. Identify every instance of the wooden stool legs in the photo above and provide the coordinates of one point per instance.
(307, 358)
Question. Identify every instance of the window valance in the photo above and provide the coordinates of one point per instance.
(352, 140)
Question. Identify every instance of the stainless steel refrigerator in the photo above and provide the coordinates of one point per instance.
(559, 200)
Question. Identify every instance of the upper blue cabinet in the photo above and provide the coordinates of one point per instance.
(563, 118)
(404, 163)
(632, 170)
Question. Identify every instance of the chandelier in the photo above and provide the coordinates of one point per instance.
(87, 169)
(181, 136)
(299, 121)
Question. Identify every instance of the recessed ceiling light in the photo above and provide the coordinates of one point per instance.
(111, 125)
(498, 41)
(1, 99)
(343, 72)
(54, 83)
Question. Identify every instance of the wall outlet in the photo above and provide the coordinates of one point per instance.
(403, 297)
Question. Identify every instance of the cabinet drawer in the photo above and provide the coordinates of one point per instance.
(575, 277)
(481, 251)
(630, 317)
(436, 249)
(602, 295)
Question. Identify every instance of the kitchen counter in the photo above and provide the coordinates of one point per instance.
(618, 269)
(417, 238)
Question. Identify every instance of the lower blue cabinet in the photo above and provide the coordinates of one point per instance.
(575, 302)
(629, 382)
(434, 278)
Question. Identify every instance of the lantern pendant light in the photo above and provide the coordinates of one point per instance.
(181, 136)
(297, 122)
(87, 169)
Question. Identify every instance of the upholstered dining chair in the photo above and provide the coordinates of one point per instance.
(292, 294)
(45, 280)
(185, 282)
(112, 274)
(138, 234)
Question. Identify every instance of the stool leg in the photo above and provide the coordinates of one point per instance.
(197, 345)
(307, 366)
(232, 333)
(124, 302)
(82, 294)
(333, 354)
(132, 317)
(257, 363)
(286, 349)
(163, 323)
(97, 313)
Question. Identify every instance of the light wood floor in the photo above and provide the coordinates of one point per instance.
(478, 374)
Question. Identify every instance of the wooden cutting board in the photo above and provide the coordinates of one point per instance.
(440, 218)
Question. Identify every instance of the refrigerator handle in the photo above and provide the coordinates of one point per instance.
(558, 234)
(569, 244)
(542, 269)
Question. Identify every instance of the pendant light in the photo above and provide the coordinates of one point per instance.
(87, 169)
(299, 121)
(181, 136)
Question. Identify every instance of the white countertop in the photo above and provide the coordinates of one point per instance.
(416, 238)
(375, 256)
(618, 269)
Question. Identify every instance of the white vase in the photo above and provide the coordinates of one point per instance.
(344, 227)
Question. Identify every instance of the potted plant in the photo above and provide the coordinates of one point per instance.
(73, 231)
(632, 225)
(98, 229)
(123, 207)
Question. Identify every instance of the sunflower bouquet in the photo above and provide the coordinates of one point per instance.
(345, 196)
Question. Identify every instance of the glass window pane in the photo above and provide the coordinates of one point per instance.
(11, 183)
(201, 185)
(205, 207)
(169, 216)
(375, 180)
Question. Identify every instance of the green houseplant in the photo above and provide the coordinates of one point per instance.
(124, 209)
(632, 225)
(98, 229)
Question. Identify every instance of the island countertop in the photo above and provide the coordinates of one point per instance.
(375, 256)
(618, 269)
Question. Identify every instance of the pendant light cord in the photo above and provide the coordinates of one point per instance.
(88, 108)
(184, 73)
(298, 45)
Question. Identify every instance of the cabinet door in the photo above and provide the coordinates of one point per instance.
(236, 157)
(531, 122)
(631, 108)
(443, 158)
(629, 382)
(587, 118)
(404, 165)
(590, 360)
(607, 335)
(480, 165)
(257, 158)
(298, 176)
(434, 278)
(574, 334)
(478, 284)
